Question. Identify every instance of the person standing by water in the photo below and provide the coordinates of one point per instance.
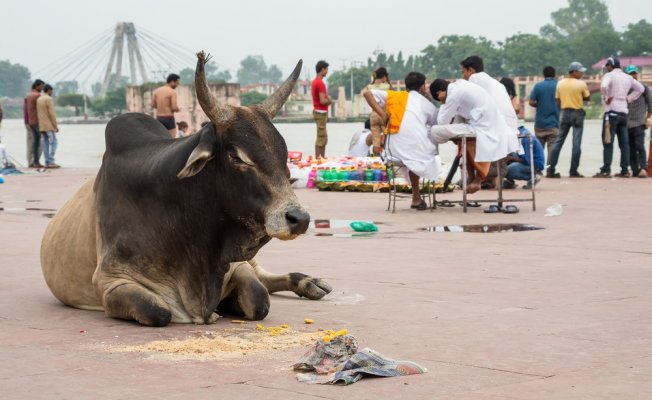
(47, 126)
(640, 112)
(546, 121)
(379, 81)
(571, 94)
(164, 101)
(320, 102)
(31, 125)
(617, 89)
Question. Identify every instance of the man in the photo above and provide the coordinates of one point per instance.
(617, 89)
(410, 115)
(518, 167)
(546, 121)
(640, 111)
(31, 124)
(164, 101)
(571, 94)
(47, 125)
(320, 103)
(468, 101)
(361, 140)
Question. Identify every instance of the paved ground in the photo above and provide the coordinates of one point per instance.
(559, 313)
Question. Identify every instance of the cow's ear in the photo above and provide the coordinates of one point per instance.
(202, 154)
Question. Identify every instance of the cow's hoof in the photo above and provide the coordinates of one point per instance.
(213, 318)
(313, 288)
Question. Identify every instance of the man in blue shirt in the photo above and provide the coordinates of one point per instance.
(546, 124)
(519, 164)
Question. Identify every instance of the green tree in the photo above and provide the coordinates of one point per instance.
(73, 100)
(66, 87)
(254, 70)
(213, 74)
(114, 103)
(444, 59)
(637, 39)
(250, 98)
(579, 16)
(361, 78)
(14, 79)
(526, 54)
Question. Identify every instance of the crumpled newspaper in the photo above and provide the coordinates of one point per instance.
(339, 361)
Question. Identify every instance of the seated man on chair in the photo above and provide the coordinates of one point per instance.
(466, 101)
(519, 164)
(410, 115)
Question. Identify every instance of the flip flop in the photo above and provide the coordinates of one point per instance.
(420, 207)
(445, 203)
(493, 209)
(473, 204)
(510, 209)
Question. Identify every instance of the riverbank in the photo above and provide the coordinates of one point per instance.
(557, 313)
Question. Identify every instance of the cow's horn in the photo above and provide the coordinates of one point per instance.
(216, 113)
(273, 103)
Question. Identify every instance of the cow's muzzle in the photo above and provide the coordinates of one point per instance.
(297, 220)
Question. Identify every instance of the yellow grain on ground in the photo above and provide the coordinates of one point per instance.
(216, 345)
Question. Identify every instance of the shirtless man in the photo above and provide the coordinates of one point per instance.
(164, 101)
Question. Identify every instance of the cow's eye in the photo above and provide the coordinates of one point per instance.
(237, 156)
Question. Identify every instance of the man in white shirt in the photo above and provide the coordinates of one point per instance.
(410, 144)
(466, 101)
(361, 141)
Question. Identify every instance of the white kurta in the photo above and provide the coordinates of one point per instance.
(471, 102)
(411, 144)
(358, 146)
(499, 94)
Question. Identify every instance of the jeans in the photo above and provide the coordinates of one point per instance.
(569, 118)
(617, 128)
(637, 156)
(36, 141)
(518, 172)
(49, 144)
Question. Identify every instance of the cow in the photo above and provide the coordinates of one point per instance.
(168, 229)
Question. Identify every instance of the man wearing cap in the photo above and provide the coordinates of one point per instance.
(638, 120)
(617, 89)
(571, 94)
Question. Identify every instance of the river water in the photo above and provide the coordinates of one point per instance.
(82, 146)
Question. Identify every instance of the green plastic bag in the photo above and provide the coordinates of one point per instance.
(363, 226)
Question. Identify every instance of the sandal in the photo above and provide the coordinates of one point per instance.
(445, 203)
(602, 175)
(473, 204)
(420, 207)
(510, 209)
(493, 209)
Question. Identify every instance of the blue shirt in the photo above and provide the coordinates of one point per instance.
(547, 109)
(537, 150)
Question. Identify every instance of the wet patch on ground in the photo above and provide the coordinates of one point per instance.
(34, 211)
(483, 228)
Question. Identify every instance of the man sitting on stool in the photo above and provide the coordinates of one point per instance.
(519, 165)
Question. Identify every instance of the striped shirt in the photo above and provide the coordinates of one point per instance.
(640, 108)
(621, 89)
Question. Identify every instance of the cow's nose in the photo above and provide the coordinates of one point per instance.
(297, 220)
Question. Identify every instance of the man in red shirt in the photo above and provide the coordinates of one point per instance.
(320, 102)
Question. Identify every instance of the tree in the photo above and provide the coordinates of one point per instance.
(14, 79)
(579, 16)
(73, 100)
(66, 87)
(637, 39)
(445, 58)
(213, 75)
(113, 104)
(250, 98)
(254, 70)
(361, 78)
(526, 54)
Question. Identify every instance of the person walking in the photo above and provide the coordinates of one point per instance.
(570, 95)
(31, 125)
(320, 102)
(47, 125)
(546, 120)
(617, 89)
(164, 101)
(638, 120)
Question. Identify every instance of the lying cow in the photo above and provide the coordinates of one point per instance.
(160, 234)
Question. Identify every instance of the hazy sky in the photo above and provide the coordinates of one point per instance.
(37, 32)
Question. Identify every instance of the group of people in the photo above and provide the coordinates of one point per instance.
(627, 110)
(41, 124)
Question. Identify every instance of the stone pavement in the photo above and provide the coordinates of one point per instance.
(559, 313)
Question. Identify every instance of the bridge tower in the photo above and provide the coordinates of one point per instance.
(123, 29)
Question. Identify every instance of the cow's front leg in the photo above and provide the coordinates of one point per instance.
(132, 301)
(246, 296)
(301, 284)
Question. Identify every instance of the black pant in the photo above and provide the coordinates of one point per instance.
(618, 129)
(637, 156)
